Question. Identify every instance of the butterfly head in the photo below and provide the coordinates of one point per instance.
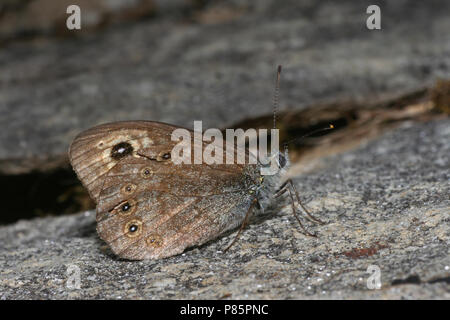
(283, 159)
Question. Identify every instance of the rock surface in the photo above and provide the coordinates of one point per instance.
(216, 65)
(385, 203)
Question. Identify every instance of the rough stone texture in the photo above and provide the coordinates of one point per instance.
(385, 204)
(216, 65)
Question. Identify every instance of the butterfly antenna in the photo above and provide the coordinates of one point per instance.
(275, 97)
(330, 127)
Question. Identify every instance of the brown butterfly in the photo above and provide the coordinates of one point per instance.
(150, 208)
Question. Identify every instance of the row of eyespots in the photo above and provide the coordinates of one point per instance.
(133, 228)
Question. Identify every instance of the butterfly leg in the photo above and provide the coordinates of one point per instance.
(281, 190)
(308, 215)
(294, 211)
(247, 215)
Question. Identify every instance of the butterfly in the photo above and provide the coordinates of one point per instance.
(148, 207)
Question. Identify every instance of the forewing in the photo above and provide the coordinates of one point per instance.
(91, 151)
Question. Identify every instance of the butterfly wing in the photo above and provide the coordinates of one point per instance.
(147, 206)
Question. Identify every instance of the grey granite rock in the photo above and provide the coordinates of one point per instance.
(385, 203)
(216, 70)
